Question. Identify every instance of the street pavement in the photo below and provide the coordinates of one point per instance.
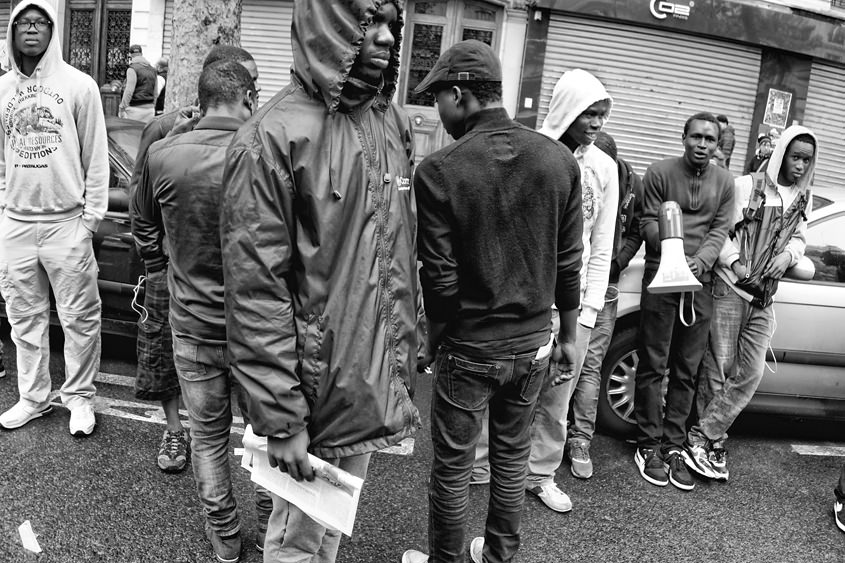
(102, 499)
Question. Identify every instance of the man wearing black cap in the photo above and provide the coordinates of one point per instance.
(512, 199)
(139, 94)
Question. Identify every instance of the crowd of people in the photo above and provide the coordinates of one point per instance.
(281, 247)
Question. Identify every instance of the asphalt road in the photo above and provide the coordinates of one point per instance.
(102, 498)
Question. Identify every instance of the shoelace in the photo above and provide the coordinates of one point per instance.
(580, 451)
(172, 443)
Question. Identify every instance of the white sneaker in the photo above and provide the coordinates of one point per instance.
(552, 497)
(414, 556)
(82, 420)
(475, 549)
(21, 413)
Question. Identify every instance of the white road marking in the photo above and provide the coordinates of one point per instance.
(822, 450)
(153, 413)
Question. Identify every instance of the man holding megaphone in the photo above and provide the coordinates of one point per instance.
(687, 209)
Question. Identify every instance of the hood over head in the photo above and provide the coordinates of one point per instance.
(776, 159)
(52, 55)
(326, 38)
(575, 91)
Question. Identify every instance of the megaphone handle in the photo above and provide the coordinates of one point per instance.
(692, 307)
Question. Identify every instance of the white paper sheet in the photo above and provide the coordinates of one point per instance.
(28, 537)
(331, 499)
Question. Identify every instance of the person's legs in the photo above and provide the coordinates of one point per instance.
(688, 347)
(204, 375)
(729, 402)
(463, 387)
(548, 430)
(293, 537)
(657, 319)
(67, 254)
(586, 396)
(25, 288)
(156, 377)
(720, 355)
(511, 410)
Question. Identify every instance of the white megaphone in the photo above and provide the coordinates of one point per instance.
(673, 274)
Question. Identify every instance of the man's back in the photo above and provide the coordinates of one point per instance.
(506, 195)
(185, 173)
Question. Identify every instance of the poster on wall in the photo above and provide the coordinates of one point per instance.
(777, 108)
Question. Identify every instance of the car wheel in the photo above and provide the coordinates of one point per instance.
(616, 395)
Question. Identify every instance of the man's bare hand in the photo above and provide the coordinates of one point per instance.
(564, 358)
(291, 455)
(777, 267)
(739, 269)
(692, 266)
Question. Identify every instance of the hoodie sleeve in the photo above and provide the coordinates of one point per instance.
(601, 242)
(94, 148)
(257, 236)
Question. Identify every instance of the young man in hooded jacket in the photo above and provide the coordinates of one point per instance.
(769, 236)
(579, 108)
(54, 176)
(318, 231)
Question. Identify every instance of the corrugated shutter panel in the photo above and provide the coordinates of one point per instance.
(167, 34)
(5, 12)
(657, 79)
(825, 99)
(265, 32)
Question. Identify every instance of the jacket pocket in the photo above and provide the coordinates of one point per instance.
(312, 367)
(469, 384)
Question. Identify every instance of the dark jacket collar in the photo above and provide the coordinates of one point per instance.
(492, 118)
(219, 122)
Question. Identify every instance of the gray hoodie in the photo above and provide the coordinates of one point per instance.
(53, 147)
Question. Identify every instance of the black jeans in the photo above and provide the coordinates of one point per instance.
(463, 387)
(664, 342)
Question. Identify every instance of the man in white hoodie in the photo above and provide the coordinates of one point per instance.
(579, 108)
(770, 217)
(53, 194)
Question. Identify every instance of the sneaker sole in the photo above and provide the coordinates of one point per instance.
(173, 469)
(839, 523)
(39, 414)
(691, 463)
(550, 507)
(682, 486)
(83, 432)
(640, 463)
(577, 472)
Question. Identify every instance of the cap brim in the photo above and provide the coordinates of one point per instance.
(426, 83)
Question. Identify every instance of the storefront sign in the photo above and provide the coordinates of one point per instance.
(661, 9)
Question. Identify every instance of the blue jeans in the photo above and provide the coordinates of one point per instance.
(733, 364)
(664, 342)
(585, 400)
(464, 386)
(206, 391)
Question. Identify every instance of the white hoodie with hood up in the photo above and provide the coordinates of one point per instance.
(776, 194)
(574, 93)
(53, 146)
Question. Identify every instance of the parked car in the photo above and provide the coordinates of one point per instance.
(807, 355)
(119, 263)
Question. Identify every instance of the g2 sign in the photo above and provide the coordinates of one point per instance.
(662, 9)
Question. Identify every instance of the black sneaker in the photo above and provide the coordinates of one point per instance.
(2, 364)
(718, 458)
(839, 514)
(678, 474)
(651, 466)
(173, 451)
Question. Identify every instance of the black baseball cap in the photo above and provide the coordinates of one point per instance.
(466, 61)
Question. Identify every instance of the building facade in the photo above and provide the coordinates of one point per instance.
(766, 64)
